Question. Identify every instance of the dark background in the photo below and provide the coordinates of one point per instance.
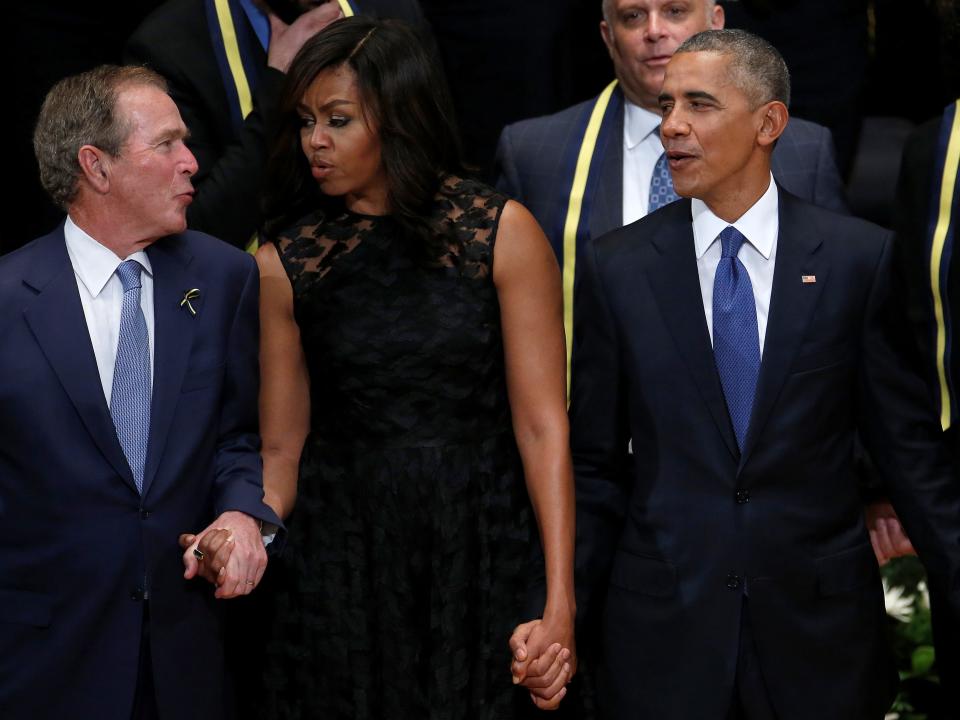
(868, 69)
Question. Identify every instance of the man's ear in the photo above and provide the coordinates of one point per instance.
(95, 168)
(717, 18)
(607, 36)
(773, 121)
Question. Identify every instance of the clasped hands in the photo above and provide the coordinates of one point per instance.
(544, 659)
(229, 554)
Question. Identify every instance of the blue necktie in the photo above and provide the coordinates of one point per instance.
(661, 185)
(736, 340)
(130, 396)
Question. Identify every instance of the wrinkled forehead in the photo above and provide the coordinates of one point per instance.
(700, 7)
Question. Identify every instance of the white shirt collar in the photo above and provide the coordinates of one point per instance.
(94, 263)
(638, 123)
(759, 224)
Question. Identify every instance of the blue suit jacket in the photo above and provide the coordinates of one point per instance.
(531, 154)
(673, 537)
(80, 543)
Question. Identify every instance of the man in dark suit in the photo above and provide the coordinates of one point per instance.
(925, 218)
(740, 339)
(225, 62)
(128, 381)
(535, 157)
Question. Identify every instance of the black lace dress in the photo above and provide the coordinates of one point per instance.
(412, 546)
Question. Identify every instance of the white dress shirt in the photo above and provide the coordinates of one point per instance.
(760, 226)
(641, 150)
(101, 295)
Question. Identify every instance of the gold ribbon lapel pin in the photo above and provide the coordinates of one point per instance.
(192, 294)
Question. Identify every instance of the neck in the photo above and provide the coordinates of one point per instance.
(368, 204)
(107, 232)
(730, 205)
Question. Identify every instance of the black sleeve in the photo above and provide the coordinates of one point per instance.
(903, 436)
(598, 434)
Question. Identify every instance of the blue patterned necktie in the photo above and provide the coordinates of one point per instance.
(736, 340)
(661, 185)
(131, 392)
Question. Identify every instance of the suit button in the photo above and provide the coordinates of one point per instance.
(144, 514)
(136, 595)
(742, 496)
(733, 582)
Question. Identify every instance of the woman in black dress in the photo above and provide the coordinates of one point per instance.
(412, 404)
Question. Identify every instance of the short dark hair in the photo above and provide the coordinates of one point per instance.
(756, 67)
(404, 97)
(81, 110)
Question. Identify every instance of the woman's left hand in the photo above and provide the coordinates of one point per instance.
(544, 658)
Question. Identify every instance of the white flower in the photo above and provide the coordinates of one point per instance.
(899, 604)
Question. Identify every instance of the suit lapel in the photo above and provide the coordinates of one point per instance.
(607, 201)
(791, 304)
(676, 287)
(174, 330)
(55, 317)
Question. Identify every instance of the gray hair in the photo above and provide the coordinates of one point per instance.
(605, 7)
(81, 110)
(756, 67)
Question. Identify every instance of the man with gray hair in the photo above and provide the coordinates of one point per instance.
(742, 337)
(600, 165)
(128, 381)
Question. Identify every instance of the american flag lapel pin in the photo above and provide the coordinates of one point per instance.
(807, 279)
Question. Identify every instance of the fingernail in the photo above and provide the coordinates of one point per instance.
(516, 680)
(521, 654)
(563, 691)
(566, 667)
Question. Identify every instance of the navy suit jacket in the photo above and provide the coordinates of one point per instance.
(531, 154)
(80, 544)
(673, 538)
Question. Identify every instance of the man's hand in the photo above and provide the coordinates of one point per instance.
(215, 547)
(242, 554)
(286, 40)
(886, 533)
(542, 666)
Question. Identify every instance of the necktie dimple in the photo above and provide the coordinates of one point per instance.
(736, 339)
(131, 391)
(661, 185)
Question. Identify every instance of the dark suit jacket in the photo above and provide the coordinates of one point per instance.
(175, 41)
(80, 543)
(912, 271)
(685, 527)
(531, 153)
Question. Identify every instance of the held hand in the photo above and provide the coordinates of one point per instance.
(544, 659)
(886, 533)
(215, 548)
(247, 560)
(286, 40)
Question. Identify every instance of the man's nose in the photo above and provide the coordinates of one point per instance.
(655, 26)
(190, 162)
(673, 125)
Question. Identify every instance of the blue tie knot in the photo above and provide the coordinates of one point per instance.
(730, 240)
(129, 274)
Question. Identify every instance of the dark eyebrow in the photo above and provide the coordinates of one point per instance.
(700, 95)
(326, 106)
(664, 96)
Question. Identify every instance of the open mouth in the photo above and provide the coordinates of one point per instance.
(678, 159)
(320, 169)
